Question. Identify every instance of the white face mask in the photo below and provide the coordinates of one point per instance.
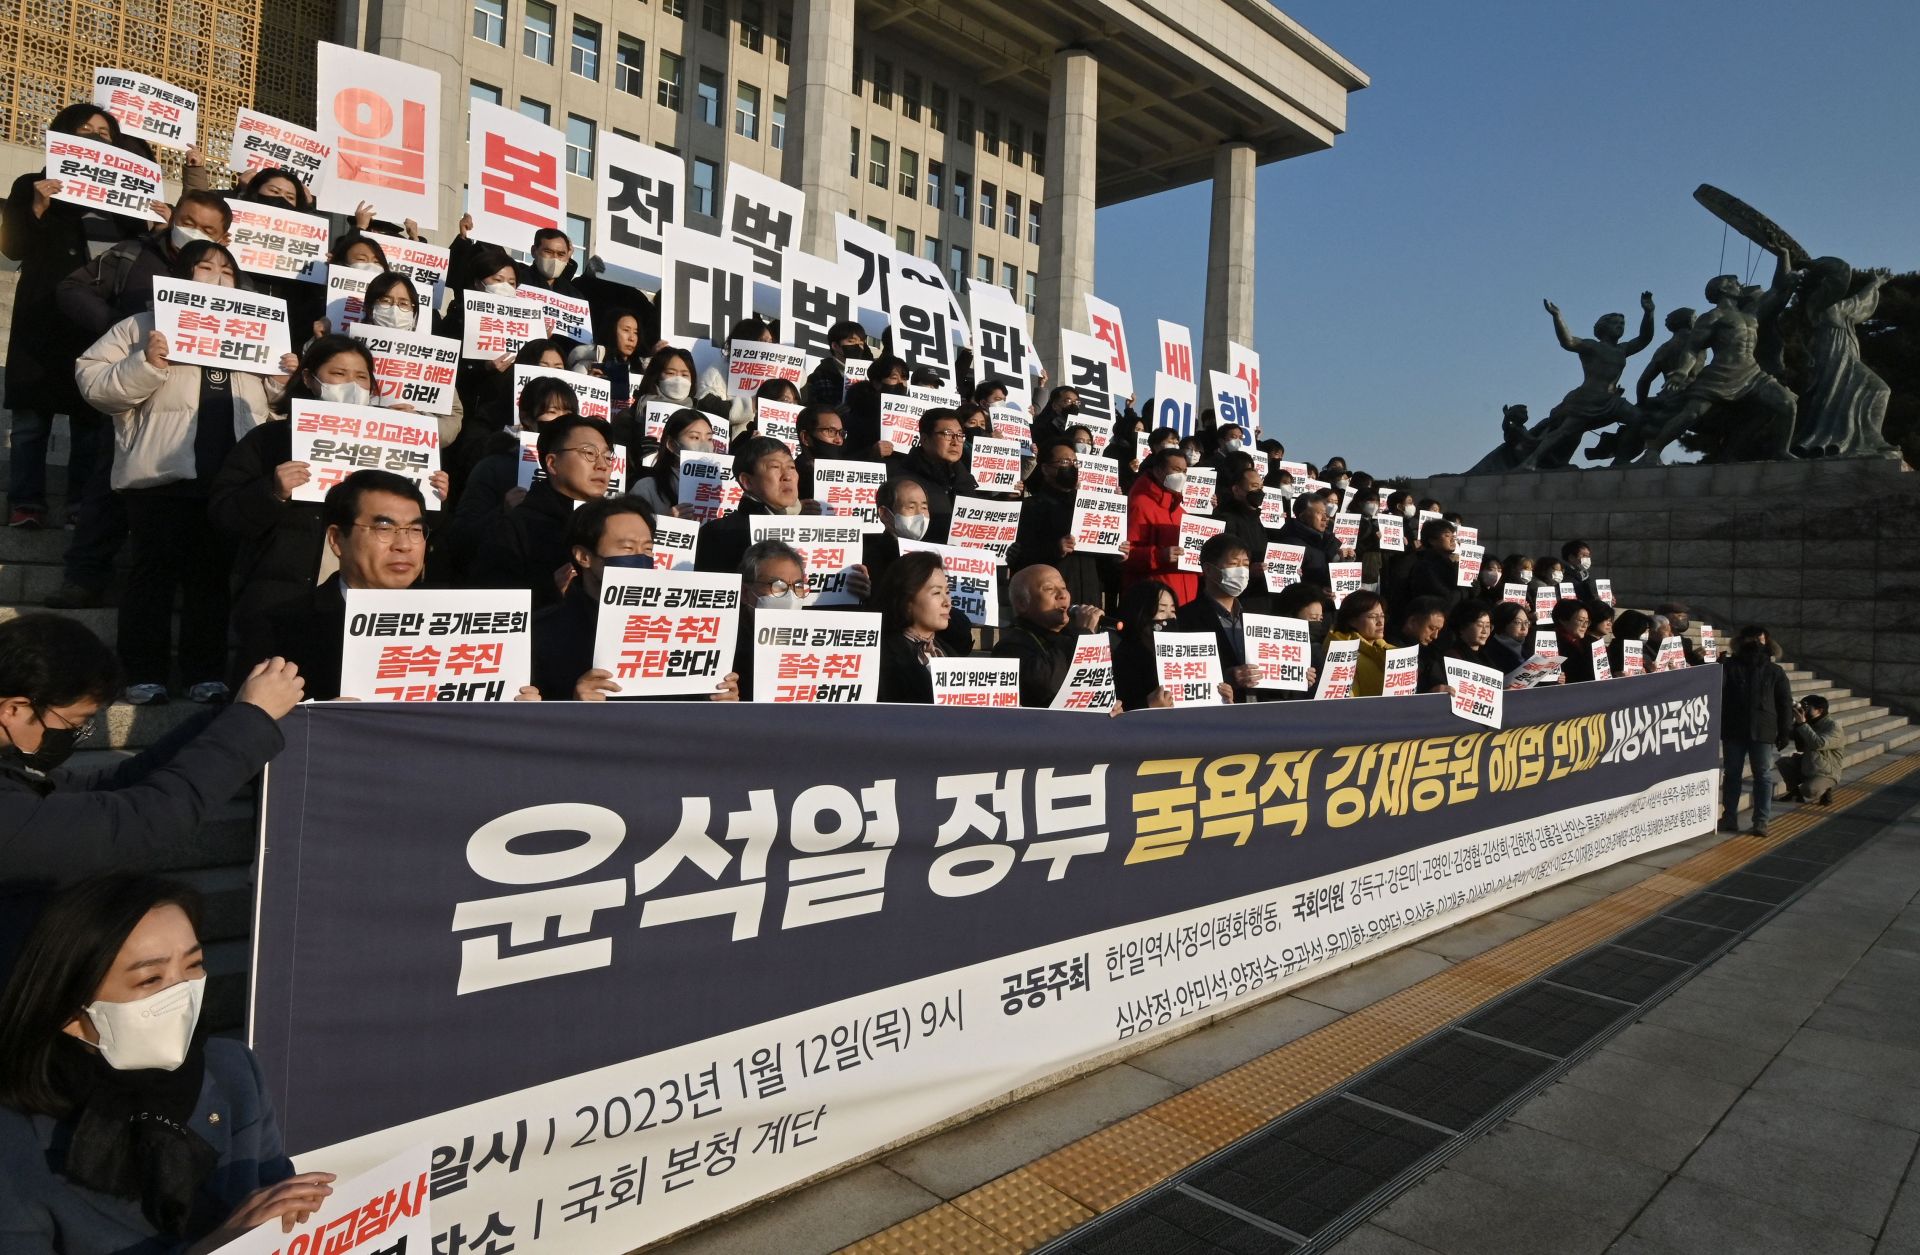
(373, 267)
(392, 317)
(550, 267)
(1369, 508)
(150, 1032)
(498, 289)
(345, 394)
(911, 526)
(183, 236)
(676, 387)
(1232, 580)
(1176, 483)
(1341, 482)
(788, 600)
(1410, 513)
(1231, 444)
(1586, 564)
(1490, 578)
(1082, 448)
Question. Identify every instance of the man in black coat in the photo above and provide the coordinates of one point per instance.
(939, 465)
(1241, 492)
(1045, 535)
(526, 547)
(1756, 723)
(1045, 628)
(1309, 528)
(769, 483)
(1435, 569)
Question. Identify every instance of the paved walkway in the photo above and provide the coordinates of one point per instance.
(1771, 1104)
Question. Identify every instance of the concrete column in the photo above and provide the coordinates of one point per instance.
(1066, 223)
(820, 117)
(1230, 250)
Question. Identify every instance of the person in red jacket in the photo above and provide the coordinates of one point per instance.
(1153, 526)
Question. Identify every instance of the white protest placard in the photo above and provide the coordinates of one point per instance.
(1346, 579)
(995, 464)
(979, 682)
(1273, 510)
(814, 297)
(1672, 655)
(1546, 643)
(498, 324)
(666, 633)
(1400, 674)
(410, 368)
(1602, 665)
(673, 542)
(1337, 670)
(1296, 469)
(1231, 402)
(779, 420)
(1567, 591)
(1244, 364)
(751, 364)
(707, 485)
(436, 645)
(1002, 344)
(1100, 474)
(1012, 424)
(1471, 556)
(1188, 664)
(1282, 565)
(1199, 498)
(1089, 682)
(207, 324)
(815, 656)
(706, 290)
(1709, 644)
(592, 395)
(1537, 670)
(972, 579)
(152, 109)
(1426, 517)
(637, 196)
(1393, 533)
(829, 548)
(763, 215)
(380, 117)
(900, 421)
(1281, 649)
(1515, 593)
(1099, 521)
(982, 524)
(336, 440)
(1195, 531)
(423, 263)
(1633, 658)
(1172, 404)
(1476, 692)
(270, 239)
(568, 316)
(1346, 529)
(1462, 534)
(261, 142)
(100, 176)
(1603, 589)
(347, 299)
(847, 490)
(654, 416)
(1103, 318)
(1543, 598)
(513, 175)
(1175, 379)
(385, 1209)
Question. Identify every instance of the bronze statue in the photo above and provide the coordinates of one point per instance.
(1597, 402)
(1842, 410)
(1516, 442)
(1674, 364)
(1731, 329)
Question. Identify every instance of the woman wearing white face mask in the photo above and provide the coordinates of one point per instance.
(711, 387)
(688, 431)
(167, 1136)
(1153, 525)
(1225, 570)
(174, 425)
(482, 268)
(392, 303)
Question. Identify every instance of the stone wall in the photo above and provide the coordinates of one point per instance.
(1826, 554)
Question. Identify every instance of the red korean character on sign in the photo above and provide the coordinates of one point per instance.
(481, 659)
(366, 159)
(644, 628)
(514, 177)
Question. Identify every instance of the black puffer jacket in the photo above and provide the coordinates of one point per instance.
(1756, 702)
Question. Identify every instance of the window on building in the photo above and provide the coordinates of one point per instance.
(1012, 218)
(746, 111)
(883, 82)
(936, 185)
(674, 8)
(878, 224)
(713, 17)
(630, 66)
(859, 78)
(536, 35)
(580, 231)
(909, 172)
(490, 21)
(538, 112)
(1010, 278)
(705, 187)
(962, 187)
(957, 265)
(853, 156)
(752, 22)
(783, 38)
(579, 146)
(1040, 153)
(777, 127)
(477, 90)
(672, 74)
(709, 90)
(879, 156)
(990, 131)
(584, 58)
(963, 123)
(1016, 142)
(937, 109)
(1033, 222)
(626, 134)
(1033, 290)
(983, 268)
(903, 240)
(930, 249)
(989, 206)
(910, 90)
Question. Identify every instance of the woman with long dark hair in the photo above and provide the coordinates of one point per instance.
(918, 623)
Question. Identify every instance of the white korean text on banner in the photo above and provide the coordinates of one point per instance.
(636, 197)
(666, 633)
(972, 579)
(1281, 649)
(267, 238)
(514, 166)
(1107, 326)
(847, 490)
(151, 109)
(829, 548)
(261, 142)
(436, 645)
(812, 657)
(100, 176)
(986, 683)
(497, 325)
(335, 440)
(410, 368)
(1188, 665)
(592, 394)
(207, 324)
(792, 971)
(381, 119)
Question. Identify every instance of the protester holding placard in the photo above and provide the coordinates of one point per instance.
(1576, 557)
(51, 239)
(1421, 624)
(1046, 529)
(938, 464)
(1630, 631)
(713, 385)
(918, 624)
(306, 302)
(1225, 572)
(1469, 632)
(1154, 513)
(1435, 570)
(1242, 494)
(886, 376)
(1041, 638)
(1490, 588)
(769, 484)
(488, 269)
(1570, 620)
(1146, 608)
(659, 485)
(617, 354)
(1512, 641)
(1547, 574)
(526, 547)
(553, 267)
(828, 384)
(498, 480)
(1679, 618)
(1309, 528)
(1362, 618)
(821, 434)
(102, 1055)
(118, 283)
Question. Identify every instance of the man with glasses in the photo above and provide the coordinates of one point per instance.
(938, 464)
(526, 547)
(1045, 537)
(823, 438)
(769, 484)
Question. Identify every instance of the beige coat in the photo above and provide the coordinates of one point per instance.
(154, 410)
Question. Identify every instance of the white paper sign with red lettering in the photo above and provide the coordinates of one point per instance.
(1477, 694)
(593, 396)
(982, 524)
(1089, 682)
(1195, 531)
(1400, 675)
(1281, 649)
(1471, 556)
(815, 656)
(1201, 493)
(436, 645)
(982, 683)
(1106, 325)
(153, 109)
(995, 464)
(336, 440)
(847, 490)
(830, 549)
(270, 239)
(261, 142)
(1283, 565)
(410, 368)
(1099, 521)
(514, 168)
(972, 579)
(1338, 669)
(1346, 579)
(207, 324)
(1244, 364)
(499, 324)
(380, 117)
(1188, 665)
(383, 1209)
(100, 176)
(666, 633)
(1393, 533)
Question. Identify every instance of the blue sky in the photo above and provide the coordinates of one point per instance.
(1509, 151)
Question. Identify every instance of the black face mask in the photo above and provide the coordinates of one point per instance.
(824, 452)
(1070, 410)
(1256, 499)
(1065, 476)
(1316, 629)
(895, 389)
(56, 747)
(856, 353)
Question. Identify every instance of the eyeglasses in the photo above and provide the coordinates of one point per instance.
(949, 435)
(832, 435)
(780, 588)
(387, 533)
(594, 457)
(83, 731)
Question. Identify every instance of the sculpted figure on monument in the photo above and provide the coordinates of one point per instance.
(1598, 401)
(1843, 408)
(1731, 330)
(1516, 442)
(1674, 364)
